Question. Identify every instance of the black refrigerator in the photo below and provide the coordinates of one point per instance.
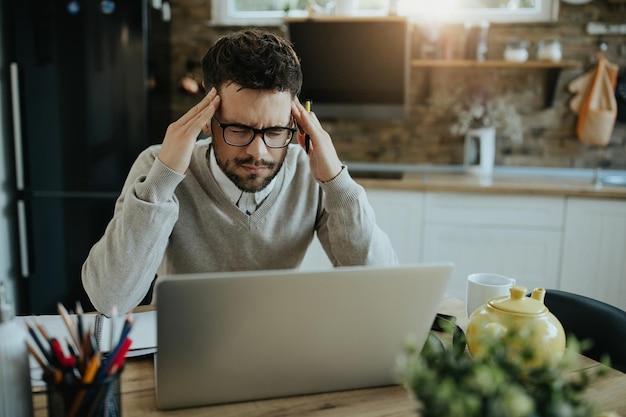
(89, 83)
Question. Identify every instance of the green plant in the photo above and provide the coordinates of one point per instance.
(450, 382)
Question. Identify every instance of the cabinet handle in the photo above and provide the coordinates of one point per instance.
(23, 236)
(17, 127)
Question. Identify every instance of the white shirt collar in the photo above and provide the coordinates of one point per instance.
(235, 195)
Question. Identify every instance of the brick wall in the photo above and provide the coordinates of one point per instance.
(424, 137)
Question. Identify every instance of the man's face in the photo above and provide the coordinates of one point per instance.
(250, 167)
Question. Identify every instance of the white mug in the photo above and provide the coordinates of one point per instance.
(482, 287)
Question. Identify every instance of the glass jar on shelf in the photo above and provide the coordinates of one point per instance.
(516, 51)
(549, 50)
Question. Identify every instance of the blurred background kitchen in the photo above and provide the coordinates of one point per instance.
(152, 51)
(549, 135)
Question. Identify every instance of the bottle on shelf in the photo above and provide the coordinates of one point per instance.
(476, 40)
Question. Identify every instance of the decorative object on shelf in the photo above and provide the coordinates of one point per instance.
(479, 119)
(482, 111)
(594, 102)
(450, 382)
(480, 151)
(549, 50)
(602, 28)
(516, 51)
(429, 40)
(476, 40)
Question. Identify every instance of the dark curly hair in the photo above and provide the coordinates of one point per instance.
(255, 59)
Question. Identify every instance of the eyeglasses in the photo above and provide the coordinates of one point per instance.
(241, 135)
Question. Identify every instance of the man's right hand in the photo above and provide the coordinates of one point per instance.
(181, 135)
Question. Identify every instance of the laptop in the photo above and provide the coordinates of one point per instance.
(241, 336)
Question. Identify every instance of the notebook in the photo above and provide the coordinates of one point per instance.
(240, 336)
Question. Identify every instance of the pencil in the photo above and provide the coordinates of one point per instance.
(50, 367)
(42, 329)
(54, 359)
(128, 324)
(119, 358)
(72, 351)
(307, 138)
(79, 318)
(40, 345)
(113, 314)
(90, 373)
(66, 319)
(45, 367)
(36, 355)
(92, 368)
(119, 351)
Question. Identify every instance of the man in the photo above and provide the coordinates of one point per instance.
(243, 199)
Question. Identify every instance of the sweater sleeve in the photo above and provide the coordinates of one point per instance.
(348, 230)
(121, 266)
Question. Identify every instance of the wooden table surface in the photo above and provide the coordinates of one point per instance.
(138, 396)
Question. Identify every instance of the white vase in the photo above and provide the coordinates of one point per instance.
(480, 151)
(344, 7)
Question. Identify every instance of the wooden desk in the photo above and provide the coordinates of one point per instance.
(138, 398)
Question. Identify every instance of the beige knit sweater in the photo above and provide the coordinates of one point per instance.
(168, 223)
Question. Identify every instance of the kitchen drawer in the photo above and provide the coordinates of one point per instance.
(494, 210)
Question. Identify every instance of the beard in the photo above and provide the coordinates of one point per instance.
(251, 182)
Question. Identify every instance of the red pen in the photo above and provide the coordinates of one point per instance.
(64, 361)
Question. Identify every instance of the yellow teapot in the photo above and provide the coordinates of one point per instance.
(531, 332)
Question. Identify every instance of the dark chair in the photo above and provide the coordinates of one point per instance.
(588, 319)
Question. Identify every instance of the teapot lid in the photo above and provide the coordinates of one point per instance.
(519, 303)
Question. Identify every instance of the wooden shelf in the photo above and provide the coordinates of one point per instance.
(553, 69)
(466, 63)
(331, 18)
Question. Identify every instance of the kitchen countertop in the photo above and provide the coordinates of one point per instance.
(505, 180)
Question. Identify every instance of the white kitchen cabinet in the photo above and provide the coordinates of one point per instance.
(516, 236)
(594, 249)
(398, 213)
(571, 243)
